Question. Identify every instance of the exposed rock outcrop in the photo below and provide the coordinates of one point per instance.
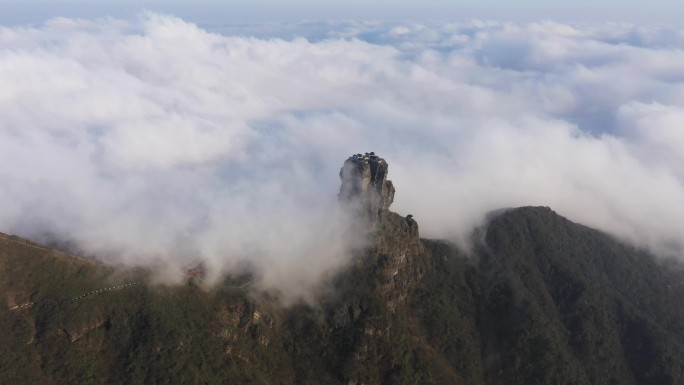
(365, 186)
(395, 239)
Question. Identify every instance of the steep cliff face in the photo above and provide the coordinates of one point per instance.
(365, 186)
(366, 191)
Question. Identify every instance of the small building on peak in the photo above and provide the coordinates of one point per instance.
(365, 185)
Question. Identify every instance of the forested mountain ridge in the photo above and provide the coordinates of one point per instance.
(538, 300)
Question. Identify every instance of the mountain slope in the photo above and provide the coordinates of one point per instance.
(541, 301)
(558, 303)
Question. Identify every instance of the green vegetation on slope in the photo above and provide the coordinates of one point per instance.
(540, 301)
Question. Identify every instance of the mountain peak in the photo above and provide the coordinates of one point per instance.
(365, 184)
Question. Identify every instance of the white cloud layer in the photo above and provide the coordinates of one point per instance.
(158, 140)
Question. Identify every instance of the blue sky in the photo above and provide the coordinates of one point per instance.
(35, 11)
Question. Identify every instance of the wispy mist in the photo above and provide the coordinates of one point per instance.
(160, 141)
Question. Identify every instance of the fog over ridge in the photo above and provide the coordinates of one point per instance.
(157, 140)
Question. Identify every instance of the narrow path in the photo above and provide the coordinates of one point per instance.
(24, 306)
(251, 281)
(106, 289)
(111, 288)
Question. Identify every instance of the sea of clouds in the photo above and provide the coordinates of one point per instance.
(160, 140)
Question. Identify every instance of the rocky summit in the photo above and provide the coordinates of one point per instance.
(365, 185)
(538, 300)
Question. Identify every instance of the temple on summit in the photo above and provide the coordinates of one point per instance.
(365, 185)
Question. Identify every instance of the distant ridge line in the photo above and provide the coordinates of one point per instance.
(26, 242)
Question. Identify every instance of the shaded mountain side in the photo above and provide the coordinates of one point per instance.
(542, 300)
(605, 311)
(553, 302)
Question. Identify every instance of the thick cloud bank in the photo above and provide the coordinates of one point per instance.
(160, 141)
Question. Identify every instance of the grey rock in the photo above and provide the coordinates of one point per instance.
(365, 186)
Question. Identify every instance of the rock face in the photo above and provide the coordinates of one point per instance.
(395, 239)
(365, 186)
